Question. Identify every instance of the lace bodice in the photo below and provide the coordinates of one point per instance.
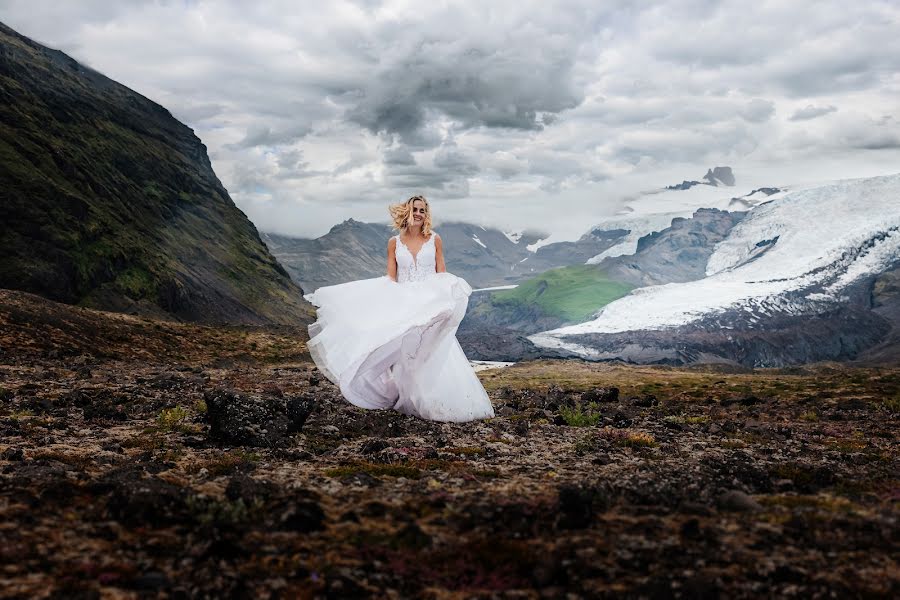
(415, 268)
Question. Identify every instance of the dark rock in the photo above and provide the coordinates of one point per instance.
(522, 427)
(575, 507)
(374, 509)
(259, 421)
(374, 445)
(246, 488)
(645, 401)
(701, 587)
(412, 536)
(361, 478)
(301, 516)
(621, 421)
(349, 517)
(601, 459)
(12, 454)
(149, 502)
(151, 581)
(736, 500)
(603, 394)
(691, 529)
(685, 185)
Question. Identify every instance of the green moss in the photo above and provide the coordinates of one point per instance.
(137, 283)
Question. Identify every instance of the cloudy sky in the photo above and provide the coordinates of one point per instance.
(520, 114)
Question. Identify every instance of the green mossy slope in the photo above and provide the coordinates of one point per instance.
(108, 201)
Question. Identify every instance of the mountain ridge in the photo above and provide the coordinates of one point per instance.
(110, 202)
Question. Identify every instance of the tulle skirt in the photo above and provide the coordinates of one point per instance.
(393, 345)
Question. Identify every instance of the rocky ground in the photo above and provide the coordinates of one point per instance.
(146, 458)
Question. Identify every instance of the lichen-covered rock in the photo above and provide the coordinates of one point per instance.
(259, 421)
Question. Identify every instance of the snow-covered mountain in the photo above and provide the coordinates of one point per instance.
(654, 211)
(796, 254)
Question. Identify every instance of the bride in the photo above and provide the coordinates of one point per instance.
(390, 342)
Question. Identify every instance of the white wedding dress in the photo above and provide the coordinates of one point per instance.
(393, 344)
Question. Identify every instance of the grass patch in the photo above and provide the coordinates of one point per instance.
(75, 460)
(628, 439)
(581, 416)
(374, 469)
(173, 419)
(466, 450)
(147, 441)
(639, 440)
(810, 416)
(892, 404)
(486, 473)
(223, 512)
(224, 463)
(571, 293)
(686, 420)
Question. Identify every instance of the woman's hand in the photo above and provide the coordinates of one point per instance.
(392, 259)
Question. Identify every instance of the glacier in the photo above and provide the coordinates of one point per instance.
(792, 254)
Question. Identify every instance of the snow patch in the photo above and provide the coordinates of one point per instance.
(479, 242)
(514, 236)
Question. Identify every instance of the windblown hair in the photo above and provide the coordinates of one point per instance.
(401, 213)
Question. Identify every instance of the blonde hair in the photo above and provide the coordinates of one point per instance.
(401, 213)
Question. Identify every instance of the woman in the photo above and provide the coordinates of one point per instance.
(390, 342)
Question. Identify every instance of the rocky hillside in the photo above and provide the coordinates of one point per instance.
(108, 201)
(483, 256)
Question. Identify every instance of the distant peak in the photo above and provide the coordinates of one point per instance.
(720, 175)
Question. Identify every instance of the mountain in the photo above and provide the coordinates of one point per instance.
(109, 202)
(718, 176)
(483, 256)
(678, 253)
(350, 250)
(805, 277)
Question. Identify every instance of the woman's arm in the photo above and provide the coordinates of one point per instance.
(439, 265)
(392, 259)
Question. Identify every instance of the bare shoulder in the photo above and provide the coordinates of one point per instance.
(392, 243)
(437, 237)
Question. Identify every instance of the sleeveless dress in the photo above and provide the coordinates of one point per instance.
(390, 344)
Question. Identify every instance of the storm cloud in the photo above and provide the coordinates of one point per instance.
(500, 113)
